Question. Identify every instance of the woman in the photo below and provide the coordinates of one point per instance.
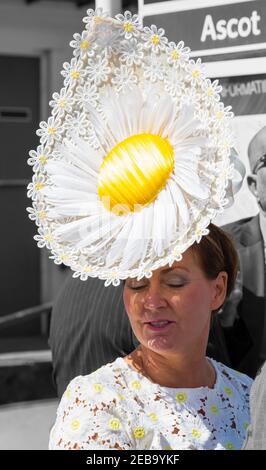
(134, 163)
(166, 394)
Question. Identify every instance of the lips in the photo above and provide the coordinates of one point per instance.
(158, 324)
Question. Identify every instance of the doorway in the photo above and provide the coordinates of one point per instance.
(19, 255)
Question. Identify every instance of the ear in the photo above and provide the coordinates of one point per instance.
(252, 185)
(219, 290)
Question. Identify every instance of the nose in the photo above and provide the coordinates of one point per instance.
(153, 298)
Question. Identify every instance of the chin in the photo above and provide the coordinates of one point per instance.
(160, 343)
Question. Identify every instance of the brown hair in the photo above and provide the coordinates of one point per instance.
(216, 252)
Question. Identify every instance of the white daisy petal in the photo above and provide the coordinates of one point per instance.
(119, 245)
(118, 123)
(185, 124)
(105, 138)
(170, 216)
(100, 229)
(63, 168)
(68, 210)
(81, 154)
(74, 231)
(194, 144)
(57, 195)
(138, 239)
(70, 182)
(147, 113)
(164, 222)
(164, 116)
(191, 183)
(123, 123)
(187, 161)
(181, 203)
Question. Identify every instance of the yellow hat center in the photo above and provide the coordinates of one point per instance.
(134, 172)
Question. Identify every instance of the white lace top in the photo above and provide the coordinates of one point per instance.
(116, 407)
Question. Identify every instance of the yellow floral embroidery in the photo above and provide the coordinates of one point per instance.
(128, 27)
(228, 391)
(42, 214)
(75, 424)
(42, 159)
(74, 74)
(114, 424)
(84, 45)
(155, 39)
(38, 186)
(120, 396)
(153, 417)
(195, 433)
(229, 446)
(48, 237)
(135, 384)
(195, 73)
(210, 91)
(139, 432)
(175, 55)
(214, 409)
(64, 257)
(219, 115)
(98, 388)
(181, 397)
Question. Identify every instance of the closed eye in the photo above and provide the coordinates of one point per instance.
(176, 285)
(136, 287)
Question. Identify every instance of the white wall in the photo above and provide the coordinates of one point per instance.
(33, 28)
(42, 29)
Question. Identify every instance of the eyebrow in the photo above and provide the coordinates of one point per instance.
(164, 271)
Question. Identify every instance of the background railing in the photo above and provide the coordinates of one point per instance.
(25, 315)
(26, 372)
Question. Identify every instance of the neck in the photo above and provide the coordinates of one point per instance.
(178, 371)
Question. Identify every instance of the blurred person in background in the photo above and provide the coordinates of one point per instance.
(244, 315)
(256, 435)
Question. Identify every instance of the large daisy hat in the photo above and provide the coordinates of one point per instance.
(137, 156)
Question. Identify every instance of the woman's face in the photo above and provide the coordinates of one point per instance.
(182, 298)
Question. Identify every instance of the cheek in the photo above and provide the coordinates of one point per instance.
(125, 298)
(132, 303)
(192, 302)
(261, 186)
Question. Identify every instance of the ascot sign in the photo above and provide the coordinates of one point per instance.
(232, 28)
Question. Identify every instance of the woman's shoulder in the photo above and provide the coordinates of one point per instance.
(104, 386)
(107, 372)
(232, 377)
(92, 412)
